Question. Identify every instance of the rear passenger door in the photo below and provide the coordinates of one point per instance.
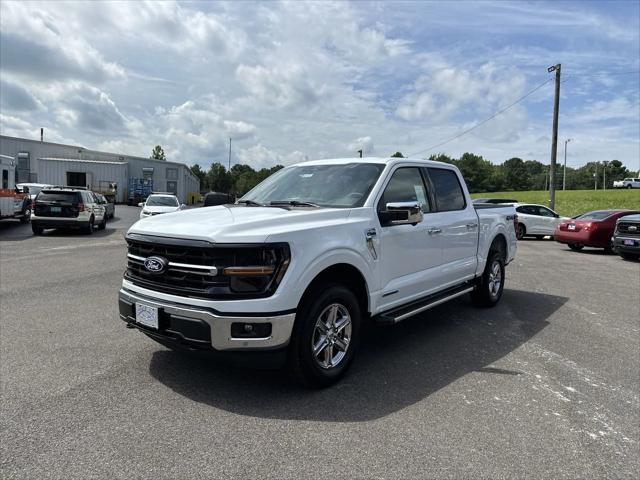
(409, 257)
(456, 222)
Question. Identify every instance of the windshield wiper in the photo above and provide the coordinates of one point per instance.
(294, 203)
(253, 203)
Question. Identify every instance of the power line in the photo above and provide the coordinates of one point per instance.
(494, 115)
(601, 74)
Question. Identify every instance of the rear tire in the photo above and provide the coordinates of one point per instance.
(490, 285)
(36, 229)
(521, 231)
(576, 247)
(26, 218)
(628, 186)
(327, 322)
(90, 227)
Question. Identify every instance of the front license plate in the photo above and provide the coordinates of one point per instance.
(571, 227)
(55, 209)
(629, 242)
(147, 315)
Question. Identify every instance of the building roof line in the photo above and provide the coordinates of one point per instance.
(81, 160)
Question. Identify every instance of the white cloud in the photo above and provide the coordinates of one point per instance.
(295, 80)
(261, 157)
(363, 143)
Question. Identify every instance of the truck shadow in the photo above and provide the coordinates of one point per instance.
(395, 368)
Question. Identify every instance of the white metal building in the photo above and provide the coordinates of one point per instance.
(58, 164)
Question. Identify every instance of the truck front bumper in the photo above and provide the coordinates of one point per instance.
(196, 328)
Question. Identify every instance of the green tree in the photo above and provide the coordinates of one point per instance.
(158, 153)
(515, 174)
(202, 176)
(397, 155)
(477, 172)
(218, 180)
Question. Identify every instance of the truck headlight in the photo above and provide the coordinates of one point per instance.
(259, 270)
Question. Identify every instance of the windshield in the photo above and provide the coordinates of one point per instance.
(162, 202)
(599, 215)
(338, 186)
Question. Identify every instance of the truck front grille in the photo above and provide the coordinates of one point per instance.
(629, 229)
(197, 269)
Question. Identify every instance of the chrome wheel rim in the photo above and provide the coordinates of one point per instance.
(495, 279)
(331, 336)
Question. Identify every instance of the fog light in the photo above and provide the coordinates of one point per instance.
(250, 330)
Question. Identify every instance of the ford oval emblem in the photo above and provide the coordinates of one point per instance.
(155, 264)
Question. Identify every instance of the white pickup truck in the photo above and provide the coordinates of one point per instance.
(627, 183)
(292, 270)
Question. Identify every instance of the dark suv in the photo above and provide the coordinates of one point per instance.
(67, 207)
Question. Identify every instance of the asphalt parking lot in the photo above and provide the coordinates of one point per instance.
(544, 385)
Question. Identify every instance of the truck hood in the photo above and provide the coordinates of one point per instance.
(236, 224)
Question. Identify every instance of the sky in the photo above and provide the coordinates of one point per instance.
(291, 81)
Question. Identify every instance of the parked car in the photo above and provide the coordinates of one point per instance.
(591, 229)
(494, 200)
(213, 199)
(67, 207)
(295, 267)
(24, 207)
(110, 208)
(627, 183)
(626, 237)
(158, 203)
(536, 220)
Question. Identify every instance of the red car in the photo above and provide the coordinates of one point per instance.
(592, 229)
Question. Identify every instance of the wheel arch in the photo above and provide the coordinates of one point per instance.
(499, 244)
(347, 275)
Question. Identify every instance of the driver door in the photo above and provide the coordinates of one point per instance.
(410, 256)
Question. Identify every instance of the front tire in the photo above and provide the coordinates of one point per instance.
(325, 335)
(576, 247)
(490, 285)
(630, 256)
(103, 223)
(36, 229)
(521, 231)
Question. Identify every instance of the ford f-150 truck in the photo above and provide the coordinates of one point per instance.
(294, 268)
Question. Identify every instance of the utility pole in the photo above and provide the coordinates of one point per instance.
(229, 154)
(564, 172)
(595, 177)
(554, 138)
(604, 175)
(360, 153)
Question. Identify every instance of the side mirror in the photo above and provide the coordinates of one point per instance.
(402, 213)
(141, 204)
(182, 206)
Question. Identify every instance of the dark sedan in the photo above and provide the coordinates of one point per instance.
(592, 229)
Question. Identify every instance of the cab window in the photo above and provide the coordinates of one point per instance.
(448, 191)
(406, 185)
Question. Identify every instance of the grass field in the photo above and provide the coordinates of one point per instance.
(573, 202)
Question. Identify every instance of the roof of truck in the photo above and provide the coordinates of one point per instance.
(380, 160)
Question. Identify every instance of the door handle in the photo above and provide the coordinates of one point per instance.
(434, 230)
(471, 226)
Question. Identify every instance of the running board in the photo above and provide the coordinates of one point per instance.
(398, 314)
